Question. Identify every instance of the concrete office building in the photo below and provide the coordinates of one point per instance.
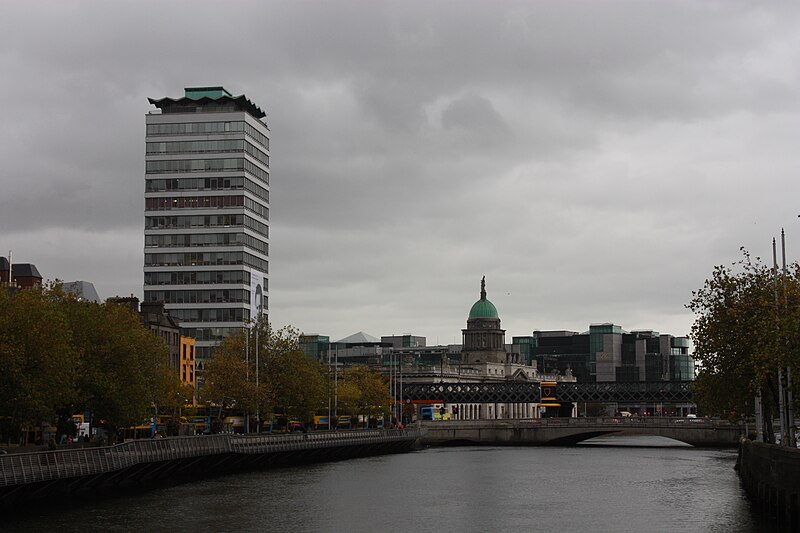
(207, 212)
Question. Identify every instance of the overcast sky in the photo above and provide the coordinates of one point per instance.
(594, 160)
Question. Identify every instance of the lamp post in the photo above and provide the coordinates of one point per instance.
(258, 402)
(330, 422)
(247, 365)
(402, 406)
(392, 386)
(792, 441)
(336, 385)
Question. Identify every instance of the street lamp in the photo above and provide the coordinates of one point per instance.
(258, 402)
(247, 365)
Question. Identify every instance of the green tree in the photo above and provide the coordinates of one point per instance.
(364, 391)
(124, 366)
(288, 381)
(59, 355)
(38, 361)
(294, 383)
(226, 381)
(745, 330)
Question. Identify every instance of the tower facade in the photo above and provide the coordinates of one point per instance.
(483, 340)
(206, 195)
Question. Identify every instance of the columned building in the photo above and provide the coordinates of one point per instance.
(484, 341)
(207, 212)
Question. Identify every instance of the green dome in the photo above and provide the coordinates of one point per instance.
(483, 308)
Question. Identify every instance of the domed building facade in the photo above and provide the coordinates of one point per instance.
(483, 340)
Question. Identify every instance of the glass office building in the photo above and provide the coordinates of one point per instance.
(607, 353)
(206, 196)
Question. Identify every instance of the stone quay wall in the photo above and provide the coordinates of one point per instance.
(771, 477)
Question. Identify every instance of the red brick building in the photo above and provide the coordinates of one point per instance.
(23, 275)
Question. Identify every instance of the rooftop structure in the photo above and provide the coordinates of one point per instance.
(83, 290)
(23, 275)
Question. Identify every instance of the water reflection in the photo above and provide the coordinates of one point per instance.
(594, 487)
(635, 441)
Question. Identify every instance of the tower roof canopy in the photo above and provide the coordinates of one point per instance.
(199, 96)
(483, 308)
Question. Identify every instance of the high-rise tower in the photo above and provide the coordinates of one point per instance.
(207, 212)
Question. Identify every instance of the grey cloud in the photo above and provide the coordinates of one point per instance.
(475, 114)
(594, 161)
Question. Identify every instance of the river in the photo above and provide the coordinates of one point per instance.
(636, 485)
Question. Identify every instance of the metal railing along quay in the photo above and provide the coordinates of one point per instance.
(33, 467)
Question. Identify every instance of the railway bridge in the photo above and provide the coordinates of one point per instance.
(565, 392)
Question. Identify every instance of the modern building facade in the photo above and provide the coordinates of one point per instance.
(404, 341)
(207, 212)
(607, 353)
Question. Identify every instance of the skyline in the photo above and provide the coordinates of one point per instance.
(593, 163)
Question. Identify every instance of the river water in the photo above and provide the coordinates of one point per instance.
(597, 488)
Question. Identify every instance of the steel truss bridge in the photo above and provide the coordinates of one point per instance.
(530, 392)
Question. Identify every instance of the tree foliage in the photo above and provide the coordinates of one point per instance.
(289, 381)
(362, 390)
(746, 328)
(59, 355)
(37, 359)
(124, 370)
(226, 380)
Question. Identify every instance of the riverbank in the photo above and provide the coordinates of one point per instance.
(75, 475)
(770, 475)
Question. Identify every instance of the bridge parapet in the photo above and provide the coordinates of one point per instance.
(567, 431)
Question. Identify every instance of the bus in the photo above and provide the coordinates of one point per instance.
(322, 422)
(281, 423)
(199, 416)
(436, 411)
(142, 431)
(234, 424)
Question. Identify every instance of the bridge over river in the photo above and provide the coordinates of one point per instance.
(566, 431)
(651, 392)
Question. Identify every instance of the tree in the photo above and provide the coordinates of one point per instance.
(59, 355)
(225, 378)
(747, 326)
(37, 359)
(295, 383)
(364, 391)
(289, 382)
(298, 384)
(124, 367)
